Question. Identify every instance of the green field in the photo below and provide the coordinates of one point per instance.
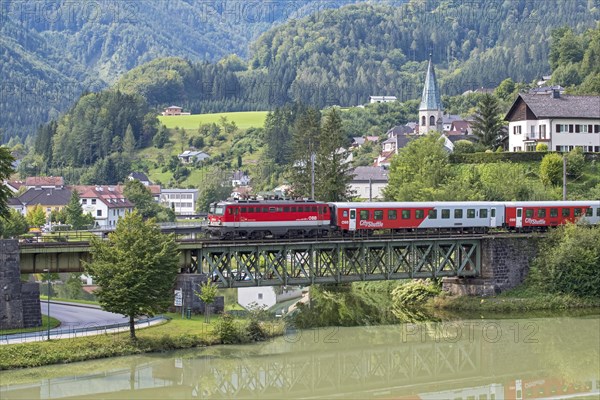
(243, 120)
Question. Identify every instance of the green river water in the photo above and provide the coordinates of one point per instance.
(477, 359)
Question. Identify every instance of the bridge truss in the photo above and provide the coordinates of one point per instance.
(243, 265)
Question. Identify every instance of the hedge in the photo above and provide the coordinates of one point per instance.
(523, 156)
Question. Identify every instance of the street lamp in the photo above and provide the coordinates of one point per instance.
(48, 300)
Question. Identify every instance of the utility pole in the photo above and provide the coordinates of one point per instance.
(564, 177)
(312, 175)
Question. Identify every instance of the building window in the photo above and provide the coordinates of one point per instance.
(596, 128)
(83, 201)
(432, 120)
(571, 130)
(423, 120)
(98, 213)
(578, 128)
(542, 131)
(517, 129)
(260, 296)
(516, 148)
(93, 201)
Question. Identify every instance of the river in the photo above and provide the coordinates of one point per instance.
(477, 359)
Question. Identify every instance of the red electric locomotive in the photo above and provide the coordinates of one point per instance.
(256, 219)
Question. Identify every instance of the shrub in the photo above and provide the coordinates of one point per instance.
(227, 330)
(415, 292)
(541, 147)
(551, 169)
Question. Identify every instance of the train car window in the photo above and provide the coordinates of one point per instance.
(598, 212)
(589, 212)
(314, 209)
(345, 213)
(493, 213)
(541, 213)
(470, 213)
(578, 212)
(293, 209)
(378, 214)
(445, 213)
(432, 214)
(458, 213)
(244, 210)
(528, 213)
(364, 214)
(219, 210)
(393, 214)
(286, 209)
(272, 209)
(325, 210)
(279, 209)
(554, 212)
(265, 209)
(307, 209)
(405, 214)
(229, 211)
(566, 212)
(483, 213)
(419, 214)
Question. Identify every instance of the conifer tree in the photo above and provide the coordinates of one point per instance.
(488, 125)
(6, 160)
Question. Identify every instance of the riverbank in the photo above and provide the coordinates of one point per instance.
(173, 335)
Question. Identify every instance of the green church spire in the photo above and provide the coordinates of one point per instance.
(431, 99)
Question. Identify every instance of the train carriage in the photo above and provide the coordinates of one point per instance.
(540, 215)
(399, 216)
(259, 218)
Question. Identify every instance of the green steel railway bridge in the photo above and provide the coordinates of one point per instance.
(235, 264)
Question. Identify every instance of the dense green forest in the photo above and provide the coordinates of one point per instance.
(53, 50)
(342, 56)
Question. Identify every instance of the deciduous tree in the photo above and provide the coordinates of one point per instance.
(135, 269)
(6, 160)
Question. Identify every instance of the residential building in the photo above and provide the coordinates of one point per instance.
(267, 296)
(45, 182)
(106, 204)
(140, 176)
(174, 110)
(382, 99)
(16, 204)
(240, 178)
(563, 122)
(50, 199)
(181, 201)
(191, 156)
(368, 182)
(430, 110)
(547, 90)
(14, 185)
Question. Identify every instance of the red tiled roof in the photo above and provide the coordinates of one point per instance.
(44, 181)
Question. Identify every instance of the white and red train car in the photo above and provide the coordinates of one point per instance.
(255, 219)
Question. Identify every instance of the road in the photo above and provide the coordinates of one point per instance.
(80, 316)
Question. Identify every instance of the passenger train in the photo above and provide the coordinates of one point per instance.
(256, 219)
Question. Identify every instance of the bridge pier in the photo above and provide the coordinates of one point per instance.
(19, 302)
(504, 265)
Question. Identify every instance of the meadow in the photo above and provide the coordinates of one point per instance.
(243, 120)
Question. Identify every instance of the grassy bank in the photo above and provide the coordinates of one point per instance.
(243, 120)
(516, 300)
(176, 334)
(53, 324)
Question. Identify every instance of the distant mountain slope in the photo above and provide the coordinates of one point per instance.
(52, 50)
(343, 56)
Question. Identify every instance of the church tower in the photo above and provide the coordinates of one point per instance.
(430, 111)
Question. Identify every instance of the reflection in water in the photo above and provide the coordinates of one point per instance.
(472, 359)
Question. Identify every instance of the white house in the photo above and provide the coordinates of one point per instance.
(106, 204)
(368, 182)
(240, 178)
(181, 201)
(382, 99)
(266, 296)
(190, 156)
(560, 121)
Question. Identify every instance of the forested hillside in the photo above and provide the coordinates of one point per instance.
(53, 50)
(342, 56)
